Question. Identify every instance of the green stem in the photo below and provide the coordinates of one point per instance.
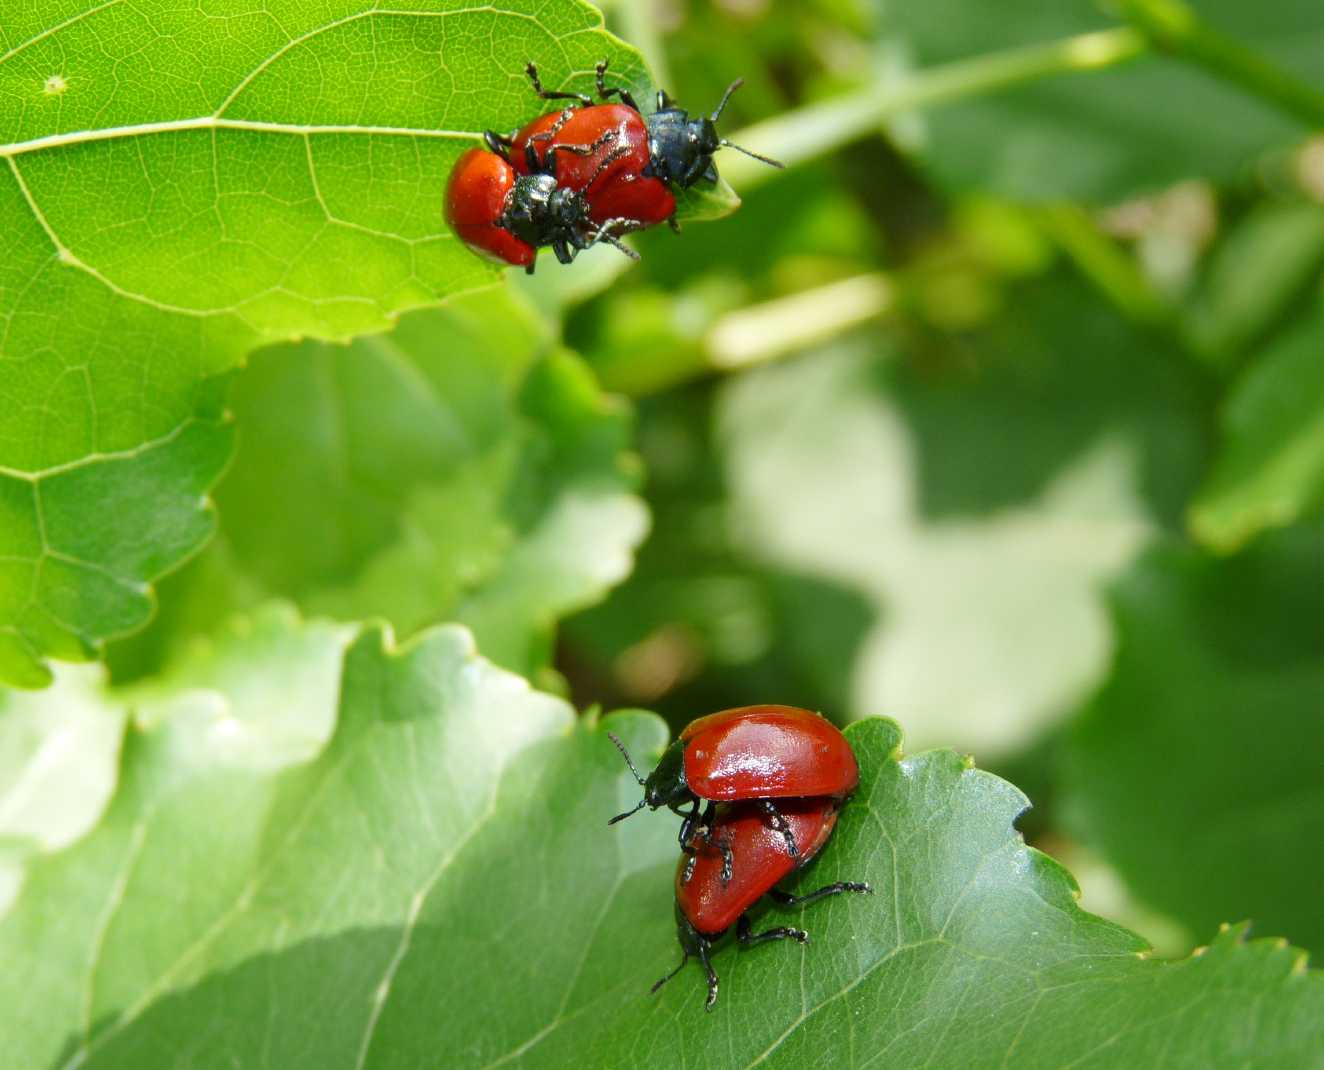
(1106, 265)
(757, 334)
(813, 130)
(1172, 25)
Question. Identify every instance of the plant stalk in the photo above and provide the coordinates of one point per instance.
(816, 129)
(1173, 26)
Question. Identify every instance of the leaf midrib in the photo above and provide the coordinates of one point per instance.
(216, 122)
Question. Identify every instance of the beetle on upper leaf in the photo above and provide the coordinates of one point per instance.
(507, 215)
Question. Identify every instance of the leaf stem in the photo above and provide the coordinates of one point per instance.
(815, 129)
(1173, 26)
(758, 334)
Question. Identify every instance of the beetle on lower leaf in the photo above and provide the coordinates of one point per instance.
(759, 754)
(709, 900)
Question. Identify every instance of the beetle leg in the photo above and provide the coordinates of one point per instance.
(777, 821)
(785, 900)
(498, 143)
(784, 932)
(615, 91)
(673, 224)
(689, 867)
(723, 845)
(532, 71)
(546, 163)
(687, 826)
(532, 162)
(606, 137)
(563, 252)
(712, 976)
(692, 174)
(617, 153)
(556, 127)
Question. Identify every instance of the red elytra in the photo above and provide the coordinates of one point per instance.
(621, 191)
(758, 859)
(767, 752)
(476, 196)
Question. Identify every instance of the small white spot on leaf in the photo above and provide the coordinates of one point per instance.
(55, 85)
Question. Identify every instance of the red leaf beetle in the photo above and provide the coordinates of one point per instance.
(680, 148)
(751, 753)
(476, 196)
(715, 888)
(506, 215)
(623, 192)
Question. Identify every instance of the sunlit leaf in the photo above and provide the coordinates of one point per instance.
(179, 185)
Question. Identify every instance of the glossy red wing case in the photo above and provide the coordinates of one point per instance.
(758, 859)
(767, 752)
(475, 198)
(621, 191)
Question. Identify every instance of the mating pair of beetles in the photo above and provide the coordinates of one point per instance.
(576, 177)
(763, 785)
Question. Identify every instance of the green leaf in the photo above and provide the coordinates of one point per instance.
(1270, 470)
(438, 887)
(1263, 265)
(980, 494)
(1195, 770)
(75, 566)
(407, 750)
(180, 185)
(1096, 135)
(460, 468)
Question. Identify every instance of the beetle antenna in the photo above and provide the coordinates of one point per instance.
(622, 817)
(626, 755)
(747, 152)
(725, 97)
(672, 974)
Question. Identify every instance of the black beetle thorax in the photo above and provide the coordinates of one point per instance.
(680, 148)
(540, 212)
(666, 784)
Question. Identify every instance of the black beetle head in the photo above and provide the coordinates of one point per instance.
(665, 784)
